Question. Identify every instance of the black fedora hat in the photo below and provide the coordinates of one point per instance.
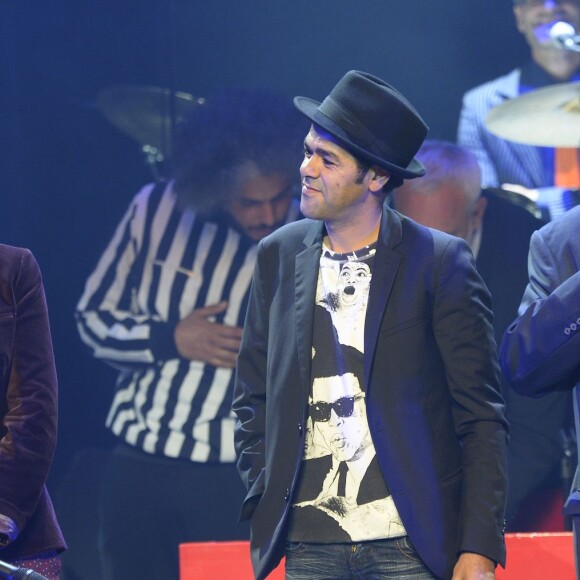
(372, 120)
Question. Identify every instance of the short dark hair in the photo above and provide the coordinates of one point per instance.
(363, 166)
(233, 128)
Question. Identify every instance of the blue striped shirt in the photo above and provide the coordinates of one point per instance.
(510, 162)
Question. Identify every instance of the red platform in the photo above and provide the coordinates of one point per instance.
(538, 556)
(219, 561)
(535, 556)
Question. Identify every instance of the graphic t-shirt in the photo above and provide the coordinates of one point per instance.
(341, 494)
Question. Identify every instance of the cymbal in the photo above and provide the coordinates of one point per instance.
(547, 117)
(145, 113)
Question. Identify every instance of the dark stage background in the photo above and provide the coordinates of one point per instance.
(68, 174)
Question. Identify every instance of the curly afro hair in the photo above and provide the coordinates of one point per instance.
(234, 128)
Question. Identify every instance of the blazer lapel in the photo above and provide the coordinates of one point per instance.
(306, 272)
(386, 265)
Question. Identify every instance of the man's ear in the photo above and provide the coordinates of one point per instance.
(479, 211)
(379, 178)
(519, 19)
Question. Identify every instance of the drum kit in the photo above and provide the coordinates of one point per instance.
(546, 117)
(148, 115)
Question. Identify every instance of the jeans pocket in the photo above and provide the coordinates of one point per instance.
(296, 548)
(406, 548)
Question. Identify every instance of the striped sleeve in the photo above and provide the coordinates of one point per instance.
(108, 319)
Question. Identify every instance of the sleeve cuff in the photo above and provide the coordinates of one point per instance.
(162, 340)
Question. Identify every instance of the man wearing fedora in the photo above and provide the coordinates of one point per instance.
(371, 435)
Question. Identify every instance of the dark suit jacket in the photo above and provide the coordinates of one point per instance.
(28, 406)
(431, 380)
(535, 448)
(540, 351)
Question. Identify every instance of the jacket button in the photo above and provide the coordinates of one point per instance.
(287, 495)
(300, 428)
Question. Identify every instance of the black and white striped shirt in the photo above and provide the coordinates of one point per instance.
(161, 264)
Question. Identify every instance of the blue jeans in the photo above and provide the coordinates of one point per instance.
(374, 560)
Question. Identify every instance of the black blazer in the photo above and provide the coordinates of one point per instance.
(431, 380)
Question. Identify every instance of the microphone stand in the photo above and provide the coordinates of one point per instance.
(14, 573)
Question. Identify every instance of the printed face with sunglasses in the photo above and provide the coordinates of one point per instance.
(339, 417)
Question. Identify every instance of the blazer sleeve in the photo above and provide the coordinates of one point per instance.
(249, 402)
(464, 333)
(540, 350)
(29, 422)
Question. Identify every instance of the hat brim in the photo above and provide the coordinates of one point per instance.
(309, 108)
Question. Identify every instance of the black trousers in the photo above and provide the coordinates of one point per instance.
(535, 448)
(149, 505)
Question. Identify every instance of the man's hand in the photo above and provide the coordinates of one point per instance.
(473, 567)
(197, 337)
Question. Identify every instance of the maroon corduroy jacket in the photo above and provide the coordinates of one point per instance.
(28, 406)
